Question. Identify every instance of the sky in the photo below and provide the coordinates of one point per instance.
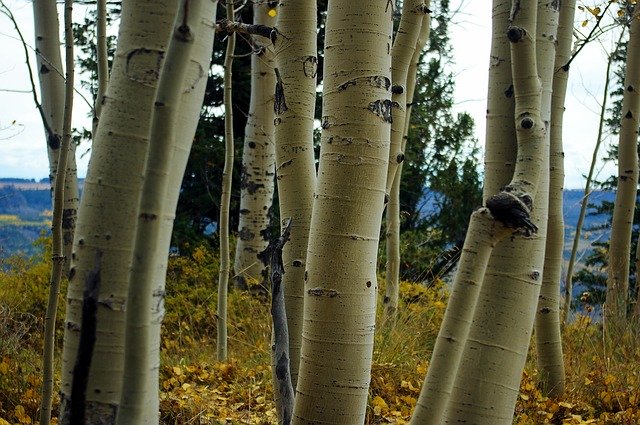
(22, 141)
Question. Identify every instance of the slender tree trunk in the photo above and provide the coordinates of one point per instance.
(547, 324)
(193, 92)
(50, 73)
(102, 60)
(57, 233)
(258, 159)
(404, 45)
(223, 222)
(568, 290)
(138, 364)
(392, 214)
(297, 63)
(626, 192)
(340, 292)
(106, 226)
(487, 381)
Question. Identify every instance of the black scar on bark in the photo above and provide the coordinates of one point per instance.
(86, 343)
(513, 211)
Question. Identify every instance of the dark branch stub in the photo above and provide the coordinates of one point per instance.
(272, 255)
(513, 211)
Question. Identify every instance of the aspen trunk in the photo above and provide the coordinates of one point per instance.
(189, 114)
(392, 214)
(297, 63)
(57, 232)
(340, 292)
(223, 222)
(106, 225)
(50, 74)
(547, 324)
(481, 237)
(626, 192)
(501, 330)
(258, 160)
(138, 363)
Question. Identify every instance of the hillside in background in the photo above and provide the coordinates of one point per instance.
(25, 214)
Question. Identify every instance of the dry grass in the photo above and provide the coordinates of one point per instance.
(603, 374)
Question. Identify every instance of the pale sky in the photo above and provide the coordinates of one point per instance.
(22, 142)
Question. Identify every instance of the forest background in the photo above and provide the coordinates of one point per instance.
(378, 405)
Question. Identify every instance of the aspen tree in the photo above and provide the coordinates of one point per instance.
(404, 45)
(258, 157)
(502, 324)
(102, 60)
(93, 342)
(50, 74)
(138, 364)
(547, 323)
(392, 214)
(297, 63)
(482, 234)
(57, 232)
(444, 396)
(617, 295)
(223, 222)
(194, 86)
(340, 291)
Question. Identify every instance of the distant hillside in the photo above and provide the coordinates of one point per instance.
(25, 212)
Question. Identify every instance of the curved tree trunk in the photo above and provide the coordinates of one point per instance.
(392, 214)
(487, 382)
(547, 324)
(50, 73)
(92, 355)
(297, 63)
(340, 292)
(500, 157)
(626, 192)
(258, 160)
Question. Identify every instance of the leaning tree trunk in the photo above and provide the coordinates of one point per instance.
(392, 215)
(340, 292)
(189, 114)
(297, 64)
(481, 236)
(57, 232)
(547, 324)
(258, 159)
(50, 73)
(94, 339)
(626, 192)
(487, 382)
(138, 363)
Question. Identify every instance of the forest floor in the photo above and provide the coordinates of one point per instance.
(603, 377)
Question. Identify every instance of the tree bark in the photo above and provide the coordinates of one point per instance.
(138, 364)
(340, 292)
(297, 63)
(392, 215)
(547, 323)
(626, 193)
(57, 232)
(50, 73)
(109, 203)
(227, 174)
(501, 330)
(258, 160)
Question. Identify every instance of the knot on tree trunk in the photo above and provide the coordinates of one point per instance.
(513, 210)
